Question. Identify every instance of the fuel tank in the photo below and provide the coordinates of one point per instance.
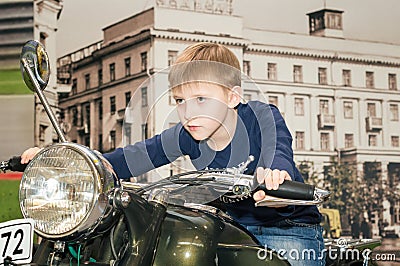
(203, 235)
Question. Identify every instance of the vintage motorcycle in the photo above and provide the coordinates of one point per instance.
(84, 214)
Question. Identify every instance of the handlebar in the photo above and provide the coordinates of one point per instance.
(13, 164)
(234, 187)
(291, 190)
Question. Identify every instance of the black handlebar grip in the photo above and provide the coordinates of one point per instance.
(291, 190)
(15, 164)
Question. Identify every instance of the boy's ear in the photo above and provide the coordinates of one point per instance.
(235, 96)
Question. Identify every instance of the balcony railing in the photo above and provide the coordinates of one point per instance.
(125, 114)
(64, 63)
(85, 129)
(373, 123)
(326, 121)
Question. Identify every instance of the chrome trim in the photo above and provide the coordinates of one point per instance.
(104, 179)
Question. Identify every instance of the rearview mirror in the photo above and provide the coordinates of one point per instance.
(35, 69)
(38, 61)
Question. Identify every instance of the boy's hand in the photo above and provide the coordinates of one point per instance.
(272, 180)
(29, 154)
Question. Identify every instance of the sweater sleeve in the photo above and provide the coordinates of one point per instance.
(283, 159)
(143, 156)
(276, 140)
(277, 148)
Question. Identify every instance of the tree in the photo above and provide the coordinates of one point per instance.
(391, 187)
(341, 180)
(308, 172)
(375, 190)
(372, 192)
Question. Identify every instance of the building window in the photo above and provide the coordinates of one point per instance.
(100, 106)
(247, 97)
(86, 117)
(100, 143)
(113, 107)
(127, 66)
(171, 100)
(348, 109)
(127, 98)
(334, 21)
(172, 55)
(395, 141)
(172, 124)
(74, 112)
(394, 112)
(369, 79)
(372, 140)
(42, 133)
(325, 146)
(298, 106)
(112, 140)
(371, 109)
(86, 140)
(42, 38)
(322, 76)
(324, 107)
(143, 57)
(273, 100)
(128, 134)
(74, 87)
(271, 71)
(346, 77)
(112, 72)
(348, 140)
(300, 140)
(392, 82)
(297, 74)
(87, 81)
(144, 97)
(100, 76)
(144, 131)
(317, 23)
(246, 68)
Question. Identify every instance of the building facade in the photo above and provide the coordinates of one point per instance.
(340, 97)
(20, 21)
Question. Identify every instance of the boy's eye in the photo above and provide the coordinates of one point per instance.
(179, 101)
(201, 99)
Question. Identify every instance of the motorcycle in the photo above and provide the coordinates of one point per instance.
(71, 198)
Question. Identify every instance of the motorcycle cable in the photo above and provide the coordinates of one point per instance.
(176, 179)
(112, 242)
(122, 247)
(77, 255)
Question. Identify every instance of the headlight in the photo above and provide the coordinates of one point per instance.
(64, 189)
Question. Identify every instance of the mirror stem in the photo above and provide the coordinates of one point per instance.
(44, 101)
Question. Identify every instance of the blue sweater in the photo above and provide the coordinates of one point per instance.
(261, 131)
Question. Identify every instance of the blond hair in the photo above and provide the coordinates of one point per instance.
(209, 52)
(208, 62)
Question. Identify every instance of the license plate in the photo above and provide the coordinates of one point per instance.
(16, 240)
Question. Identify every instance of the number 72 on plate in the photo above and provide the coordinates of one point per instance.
(16, 240)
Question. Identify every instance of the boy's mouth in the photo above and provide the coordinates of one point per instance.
(193, 128)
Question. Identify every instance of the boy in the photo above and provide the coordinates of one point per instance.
(216, 130)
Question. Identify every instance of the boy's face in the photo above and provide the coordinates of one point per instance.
(202, 107)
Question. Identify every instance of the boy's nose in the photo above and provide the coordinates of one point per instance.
(191, 109)
(188, 113)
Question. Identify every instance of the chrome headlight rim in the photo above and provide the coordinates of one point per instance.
(91, 219)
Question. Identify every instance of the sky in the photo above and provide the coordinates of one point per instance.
(81, 22)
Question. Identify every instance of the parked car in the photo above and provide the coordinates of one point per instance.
(391, 231)
(331, 222)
